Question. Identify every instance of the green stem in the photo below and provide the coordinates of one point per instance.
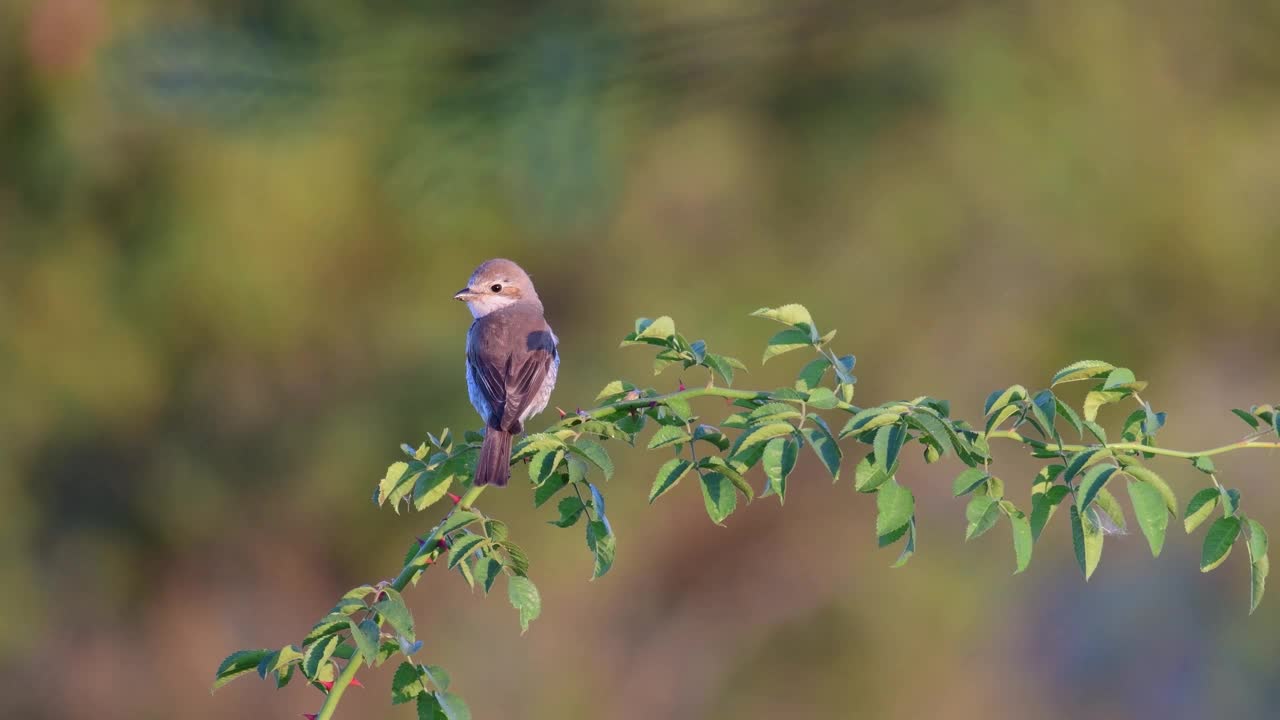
(402, 580)
(1136, 447)
(339, 686)
(411, 568)
(605, 411)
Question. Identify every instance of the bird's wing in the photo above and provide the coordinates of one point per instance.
(510, 382)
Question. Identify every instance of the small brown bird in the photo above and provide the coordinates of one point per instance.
(512, 360)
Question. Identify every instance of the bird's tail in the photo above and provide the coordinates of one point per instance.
(494, 465)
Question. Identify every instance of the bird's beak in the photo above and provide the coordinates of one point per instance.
(464, 294)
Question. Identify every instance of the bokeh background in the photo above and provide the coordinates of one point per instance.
(229, 232)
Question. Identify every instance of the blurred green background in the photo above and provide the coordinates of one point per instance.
(229, 232)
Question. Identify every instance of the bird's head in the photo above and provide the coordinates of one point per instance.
(497, 284)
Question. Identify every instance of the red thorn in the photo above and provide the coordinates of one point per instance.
(328, 684)
(443, 544)
(682, 387)
(380, 596)
(309, 716)
(562, 413)
(455, 498)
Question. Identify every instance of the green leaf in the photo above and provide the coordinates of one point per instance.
(982, 513)
(968, 481)
(456, 520)
(429, 708)
(1086, 538)
(722, 364)
(1149, 477)
(1258, 570)
(1000, 416)
(453, 706)
(615, 388)
(873, 418)
(524, 597)
(773, 412)
(888, 442)
(1218, 541)
(601, 542)
(487, 571)
(365, 636)
(1094, 480)
(844, 369)
(824, 445)
(1200, 507)
(437, 676)
(909, 547)
(543, 464)
(936, 429)
(549, 488)
(596, 454)
(678, 408)
(406, 684)
(778, 461)
(764, 433)
(711, 435)
(715, 463)
(1259, 565)
(1081, 370)
(1152, 515)
(1204, 465)
(823, 399)
(811, 376)
(1072, 418)
(1119, 378)
(516, 560)
(397, 482)
(395, 613)
(1095, 399)
(1230, 502)
(464, 546)
(658, 329)
(328, 625)
(237, 664)
(1023, 542)
(1106, 504)
(1258, 541)
(1000, 398)
(428, 488)
(794, 315)
(1095, 430)
(669, 435)
(668, 475)
(868, 475)
(1043, 506)
(1248, 417)
(895, 506)
(719, 495)
(784, 342)
(1045, 408)
(570, 510)
(1077, 462)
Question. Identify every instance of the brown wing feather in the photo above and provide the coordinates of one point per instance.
(509, 384)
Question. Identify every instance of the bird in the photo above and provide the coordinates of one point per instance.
(512, 360)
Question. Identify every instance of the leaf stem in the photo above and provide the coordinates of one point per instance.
(1136, 447)
(339, 686)
(411, 568)
(605, 411)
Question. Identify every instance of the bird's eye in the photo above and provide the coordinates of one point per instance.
(496, 287)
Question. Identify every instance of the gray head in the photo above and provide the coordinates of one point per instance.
(496, 284)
